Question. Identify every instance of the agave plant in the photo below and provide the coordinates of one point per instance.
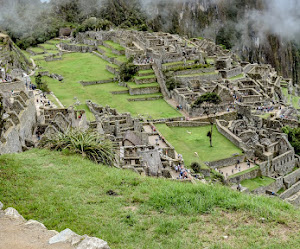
(87, 143)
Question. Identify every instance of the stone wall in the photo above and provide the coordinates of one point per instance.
(194, 71)
(249, 175)
(292, 178)
(291, 191)
(16, 135)
(229, 135)
(77, 48)
(143, 90)
(225, 162)
(16, 86)
(273, 187)
(187, 124)
(88, 83)
(208, 77)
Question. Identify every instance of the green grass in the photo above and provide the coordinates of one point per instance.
(87, 67)
(237, 77)
(178, 63)
(244, 172)
(145, 77)
(197, 74)
(255, 183)
(187, 144)
(295, 99)
(36, 49)
(133, 85)
(69, 192)
(114, 45)
(146, 71)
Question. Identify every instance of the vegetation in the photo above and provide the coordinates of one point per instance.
(87, 143)
(41, 84)
(127, 71)
(187, 67)
(187, 144)
(208, 101)
(196, 167)
(68, 191)
(75, 67)
(255, 183)
(293, 137)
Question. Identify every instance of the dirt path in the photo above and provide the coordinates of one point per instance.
(16, 234)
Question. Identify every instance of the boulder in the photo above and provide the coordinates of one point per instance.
(66, 235)
(34, 223)
(13, 213)
(93, 243)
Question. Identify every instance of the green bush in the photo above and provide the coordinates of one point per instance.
(87, 143)
(127, 71)
(196, 167)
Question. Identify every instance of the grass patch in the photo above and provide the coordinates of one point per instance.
(178, 63)
(187, 144)
(88, 67)
(258, 182)
(133, 85)
(244, 172)
(36, 50)
(197, 74)
(145, 77)
(240, 76)
(70, 192)
(114, 45)
(295, 99)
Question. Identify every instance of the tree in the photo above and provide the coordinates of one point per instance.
(208, 102)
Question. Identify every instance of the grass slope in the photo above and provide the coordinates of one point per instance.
(67, 191)
(87, 67)
(187, 144)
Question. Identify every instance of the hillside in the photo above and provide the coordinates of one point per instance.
(130, 211)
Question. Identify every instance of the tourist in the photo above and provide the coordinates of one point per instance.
(248, 163)
(239, 187)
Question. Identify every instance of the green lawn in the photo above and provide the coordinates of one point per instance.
(295, 99)
(77, 67)
(114, 45)
(36, 49)
(244, 172)
(187, 144)
(146, 213)
(237, 77)
(255, 183)
(133, 85)
(197, 74)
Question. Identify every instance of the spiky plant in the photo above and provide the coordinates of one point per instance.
(87, 143)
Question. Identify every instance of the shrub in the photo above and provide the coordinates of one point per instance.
(127, 71)
(87, 143)
(41, 85)
(196, 167)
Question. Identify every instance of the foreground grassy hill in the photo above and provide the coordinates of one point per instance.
(130, 211)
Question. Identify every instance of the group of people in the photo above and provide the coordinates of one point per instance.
(265, 108)
(43, 100)
(143, 61)
(183, 172)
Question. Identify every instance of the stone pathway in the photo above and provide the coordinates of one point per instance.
(57, 100)
(16, 233)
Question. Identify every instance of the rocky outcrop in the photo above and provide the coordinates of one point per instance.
(18, 233)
